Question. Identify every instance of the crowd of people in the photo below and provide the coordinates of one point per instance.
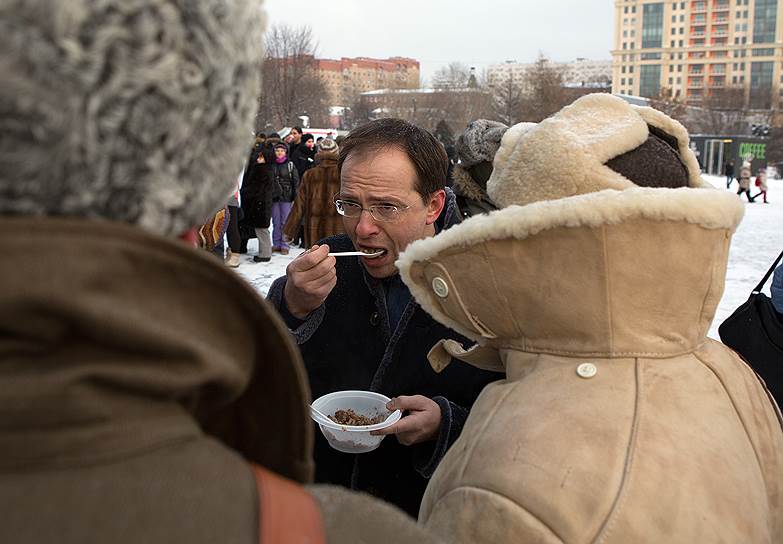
(543, 335)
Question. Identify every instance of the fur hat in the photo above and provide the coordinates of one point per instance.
(127, 111)
(480, 141)
(327, 145)
(599, 142)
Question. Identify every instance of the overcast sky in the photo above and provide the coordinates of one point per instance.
(436, 32)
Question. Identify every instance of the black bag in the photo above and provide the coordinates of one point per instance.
(755, 331)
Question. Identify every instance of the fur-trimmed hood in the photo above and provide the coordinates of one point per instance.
(464, 186)
(610, 273)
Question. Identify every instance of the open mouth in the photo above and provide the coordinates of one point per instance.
(372, 252)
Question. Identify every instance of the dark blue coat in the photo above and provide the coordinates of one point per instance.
(347, 344)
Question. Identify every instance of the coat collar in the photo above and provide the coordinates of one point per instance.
(614, 273)
(116, 341)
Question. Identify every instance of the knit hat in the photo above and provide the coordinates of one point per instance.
(480, 141)
(328, 145)
(128, 111)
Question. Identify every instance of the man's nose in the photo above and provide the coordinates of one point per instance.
(367, 225)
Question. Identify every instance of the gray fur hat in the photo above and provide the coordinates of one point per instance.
(132, 111)
(480, 141)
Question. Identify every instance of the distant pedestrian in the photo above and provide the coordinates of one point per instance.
(761, 183)
(314, 204)
(258, 191)
(287, 178)
(303, 156)
(744, 181)
(728, 171)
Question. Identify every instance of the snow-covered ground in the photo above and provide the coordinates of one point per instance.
(757, 242)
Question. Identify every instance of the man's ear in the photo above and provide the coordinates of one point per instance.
(435, 203)
(655, 163)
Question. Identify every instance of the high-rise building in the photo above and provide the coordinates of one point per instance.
(346, 78)
(698, 48)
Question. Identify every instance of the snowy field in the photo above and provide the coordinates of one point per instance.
(757, 242)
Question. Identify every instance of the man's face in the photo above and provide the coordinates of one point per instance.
(386, 177)
(310, 144)
(296, 136)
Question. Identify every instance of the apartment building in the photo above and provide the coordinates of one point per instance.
(348, 77)
(699, 48)
(578, 73)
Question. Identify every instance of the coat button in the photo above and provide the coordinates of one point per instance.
(374, 319)
(586, 370)
(440, 287)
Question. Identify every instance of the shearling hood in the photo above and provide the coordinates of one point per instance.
(609, 273)
(567, 154)
(113, 339)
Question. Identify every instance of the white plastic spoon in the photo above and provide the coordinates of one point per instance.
(358, 254)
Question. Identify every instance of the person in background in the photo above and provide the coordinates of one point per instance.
(303, 156)
(744, 181)
(232, 233)
(761, 183)
(258, 193)
(287, 179)
(314, 203)
(728, 171)
(293, 140)
(476, 148)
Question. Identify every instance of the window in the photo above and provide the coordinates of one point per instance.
(682, 30)
(650, 80)
(652, 25)
(762, 52)
(761, 84)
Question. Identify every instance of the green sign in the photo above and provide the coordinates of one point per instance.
(759, 151)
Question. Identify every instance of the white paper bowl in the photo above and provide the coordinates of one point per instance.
(348, 438)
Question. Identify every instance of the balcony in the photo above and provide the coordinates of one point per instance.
(696, 54)
(698, 8)
(721, 7)
(720, 32)
(697, 34)
(696, 83)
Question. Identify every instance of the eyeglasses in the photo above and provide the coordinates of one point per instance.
(379, 212)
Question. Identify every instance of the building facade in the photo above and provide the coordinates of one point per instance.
(579, 73)
(348, 77)
(696, 49)
(426, 107)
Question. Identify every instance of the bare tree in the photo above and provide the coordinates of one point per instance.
(545, 94)
(670, 105)
(291, 84)
(723, 111)
(507, 100)
(454, 76)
